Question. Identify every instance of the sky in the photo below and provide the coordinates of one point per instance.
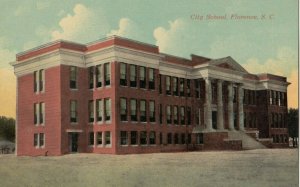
(268, 43)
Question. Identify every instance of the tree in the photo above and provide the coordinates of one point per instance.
(7, 128)
(293, 125)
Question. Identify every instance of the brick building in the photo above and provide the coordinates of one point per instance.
(121, 96)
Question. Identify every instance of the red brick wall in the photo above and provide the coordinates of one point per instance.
(25, 119)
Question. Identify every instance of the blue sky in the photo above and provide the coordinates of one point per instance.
(261, 45)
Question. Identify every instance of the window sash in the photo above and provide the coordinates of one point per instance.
(73, 73)
(151, 75)
(168, 83)
(107, 137)
(99, 138)
(142, 73)
(133, 106)
(123, 71)
(132, 72)
(124, 138)
(107, 108)
(91, 138)
(99, 108)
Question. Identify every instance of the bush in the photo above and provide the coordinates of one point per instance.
(7, 128)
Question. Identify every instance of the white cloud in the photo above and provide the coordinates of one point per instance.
(6, 55)
(169, 39)
(285, 64)
(82, 25)
(282, 64)
(72, 25)
(129, 29)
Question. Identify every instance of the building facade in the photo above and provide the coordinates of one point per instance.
(120, 96)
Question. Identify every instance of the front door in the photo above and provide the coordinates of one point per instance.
(73, 142)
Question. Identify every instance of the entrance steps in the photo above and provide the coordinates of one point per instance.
(248, 142)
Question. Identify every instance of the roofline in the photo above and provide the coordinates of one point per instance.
(47, 45)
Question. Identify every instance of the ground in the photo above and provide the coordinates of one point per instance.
(264, 167)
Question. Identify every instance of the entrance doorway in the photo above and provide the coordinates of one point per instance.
(73, 142)
(214, 119)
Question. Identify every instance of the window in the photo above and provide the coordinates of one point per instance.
(175, 111)
(36, 111)
(169, 115)
(73, 110)
(107, 109)
(181, 86)
(39, 80)
(142, 77)
(123, 109)
(133, 137)
(182, 115)
(42, 78)
(197, 117)
(282, 99)
(36, 140)
(175, 86)
(143, 137)
(99, 76)
(99, 109)
(132, 75)
(189, 138)
(42, 112)
(188, 87)
(99, 138)
(151, 79)
(143, 117)
(152, 111)
(235, 95)
(182, 138)
(176, 140)
(36, 81)
(197, 88)
(91, 111)
(107, 74)
(42, 139)
(152, 138)
(214, 92)
(39, 140)
(200, 138)
(39, 113)
(169, 138)
(107, 137)
(168, 85)
(133, 108)
(271, 97)
(160, 84)
(91, 138)
(275, 97)
(160, 114)
(189, 115)
(123, 138)
(91, 77)
(123, 76)
(73, 77)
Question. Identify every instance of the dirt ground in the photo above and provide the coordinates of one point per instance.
(263, 168)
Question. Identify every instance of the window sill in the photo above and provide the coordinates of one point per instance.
(74, 89)
(74, 123)
(124, 145)
(107, 146)
(134, 145)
